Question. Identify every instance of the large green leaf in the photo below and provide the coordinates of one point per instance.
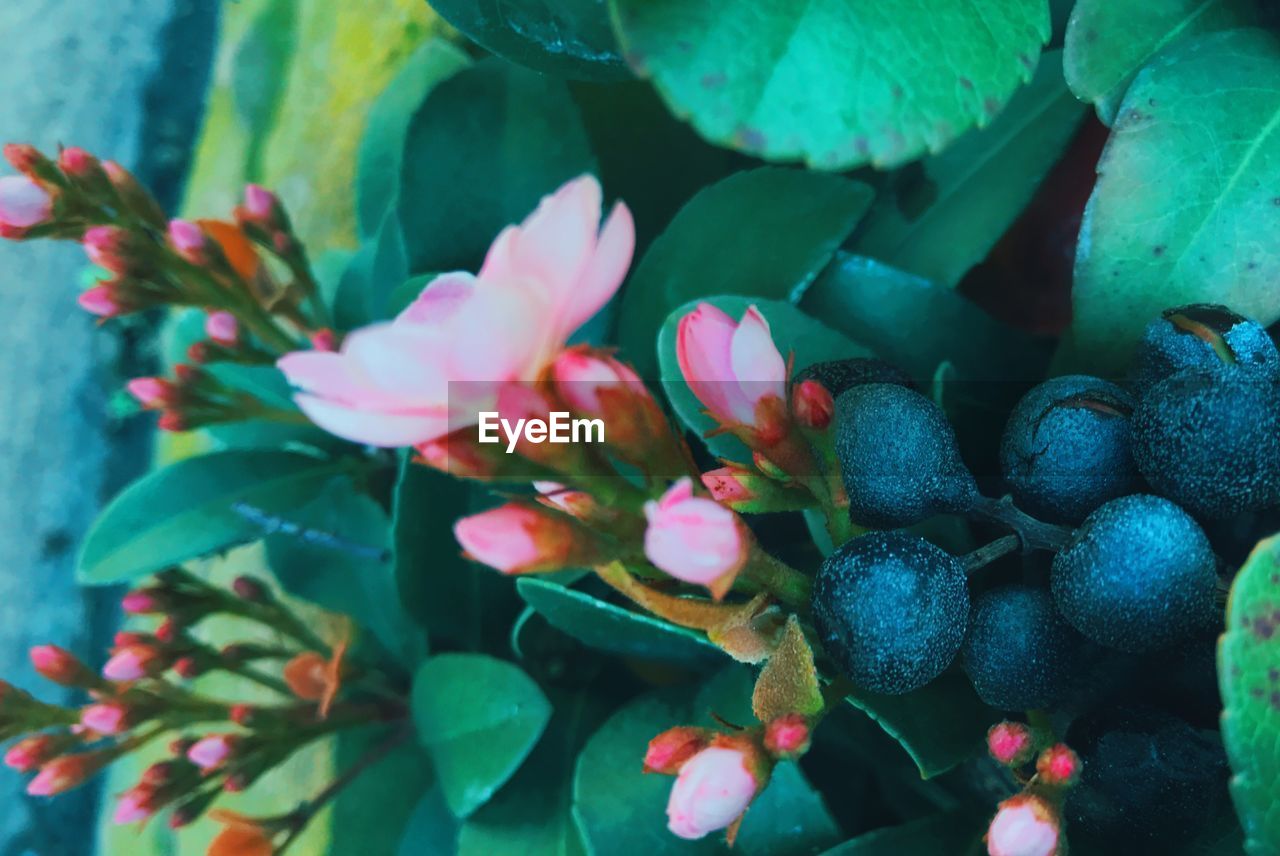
(1249, 676)
(952, 834)
(834, 83)
(370, 815)
(196, 507)
(766, 233)
(567, 38)
(1187, 204)
(431, 828)
(939, 725)
(620, 810)
(486, 145)
(1108, 41)
(611, 628)
(479, 718)
(793, 331)
(940, 217)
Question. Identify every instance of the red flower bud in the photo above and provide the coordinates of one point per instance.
(133, 663)
(247, 588)
(188, 667)
(144, 602)
(212, 751)
(153, 393)
(1010, 743)
(76, 163)
(787, 736)
(812, 405)
(135, 805)
(62, 667)
(35, 751)
(67, 772)
(518, 538)
(243, 715)
(669, 750)
(110, 717)
(114, 249)
(1058, 766)
(26, 159)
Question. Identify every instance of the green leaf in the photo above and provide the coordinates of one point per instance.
(431, 828)
(1186, 207)
(766, 233)
(259, 69)
(620, 810)
(188, 509)
(611, 628)
(382, 146)
(478, 718)
(566, 38)
(486, 145)
(952, 834)
(1108, 41)
(1247, 675)
(793, 332)
(833, 83)
(943, 215)
(370, 814)
(939, 725)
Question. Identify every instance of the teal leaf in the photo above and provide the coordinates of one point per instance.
(940, 217)
(833, 83)
(478, 718)
(370, 814)
(432, 828)
(952, 834)
(485, 146)
(766, 233)
(188, 509)
(1186, 208)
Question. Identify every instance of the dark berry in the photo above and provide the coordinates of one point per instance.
(1066, 448)
(891, 610)
(898, 457)
(1150, 780)
(1019, 652)
(1209, 439)
(840, 375)
(1201, 336)
(1137, 575)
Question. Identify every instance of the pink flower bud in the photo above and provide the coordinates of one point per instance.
(1058, 766)
(735, 370)
(108, 717)
(172, 421)
(576, 502)
(324, 340)
(695, 539)
(61, 666)
(67, 772)
(101, 301)
(23, 203)
(153, 393)
(713, 789)
(188, 241)
(223, 328)
(460, 455)
(142, 602)
(212, 751)
(250, 589)
(729, 484)
(582, 377)
(668, 751)
(259, 203)
(1025, 825)
(32, 752)
(134, 805)
(25, 158)
(133, 663)
(111, 247)
(1010, 743)
(76, 162)
(787, 736)
(812, 405)
(519, 539)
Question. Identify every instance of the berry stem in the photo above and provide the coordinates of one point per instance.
(988, 553)
(1033, 534)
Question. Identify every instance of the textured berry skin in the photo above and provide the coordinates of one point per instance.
(1019, 651)
(1149, 780)
(841, 375)
(891, 610)
(1066, 448)
(1137, 575)
(898, 457)
(1209, 439)
(1179, 339)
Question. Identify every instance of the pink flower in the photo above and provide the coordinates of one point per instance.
(76, 162)
(787, 736)
(669, 751)
(100, 300)
(1024, 826)
(188, 240)
(108, 717)
(210, 752)
(1010, 743)
(732, 368)
(713, 789)
(134, 805)
(445, 357)
(582, 376)
(259, 203)
(132, 663)
(66, 772)
(222, 327)
(31, 752)
(695, 539)
(519, 539)
(23, 203)
(60, 666)
(151, 392)
(576, 502)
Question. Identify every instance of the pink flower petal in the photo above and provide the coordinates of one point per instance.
(606, 270)
(374, 428)
(757, 366)
(440, 299)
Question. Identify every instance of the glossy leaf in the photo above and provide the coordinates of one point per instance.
(431, 828)
(940, 217)
(766, 232)
(369, 816)
(833, 83)
(952, 834)
(1186, 206)
(1247, 675)
(188, 509)
(1108, 41)
(478, 718)
(486, 145)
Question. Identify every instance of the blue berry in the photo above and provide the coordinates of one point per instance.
(1066, 448)
(1209, 439)
(1201, 336)
(891, 610)
(1019, 653)
(898, 457)
(1137, 575)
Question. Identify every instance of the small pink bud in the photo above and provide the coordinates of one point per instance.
(168, 631)
(585, 381)
(188, 241)
(324, 340)
(787, 736)
(188, 667)
(728, 484)
(76, 162)
(223, 328)
(108, 717)
(260, 204)
(1024, 825)
(23, 203)
(1058, 766)
(105, 247)
(243, 715)
(517, 538)
(25, 158)
(127, 637)
(1010, 743)
(211, 752)
(576, 502)
(61, 666)
(32, 752)
(133, 663)
(66, 772)
(101, 301)
(250, 589)
(134, 805)
(695, 539)
(712, 790)
(812, 405)
(669, 750)
(173, 421)
(142, 602)
(153, 393)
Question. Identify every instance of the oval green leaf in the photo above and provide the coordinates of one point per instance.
(833, 83)
(1187, 204)
(1249, 676)
(189, 509)
(952, 834)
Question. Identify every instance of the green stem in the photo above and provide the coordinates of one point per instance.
(779, 579)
